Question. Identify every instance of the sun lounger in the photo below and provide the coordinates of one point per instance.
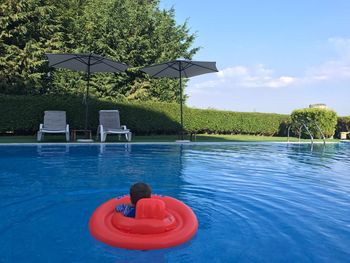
(54, 122)
(110, 124)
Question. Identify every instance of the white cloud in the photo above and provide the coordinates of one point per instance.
(233, 71)
(282, 82)
(335, 69)
(341, 46)
(260, 88)
(328, 71)
(260, 76)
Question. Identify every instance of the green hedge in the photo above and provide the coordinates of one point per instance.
(343, 125)
(325, 119)
(22, 114)
(228, 122)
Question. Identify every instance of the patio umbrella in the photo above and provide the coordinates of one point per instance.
(179, 69)
(89, 63)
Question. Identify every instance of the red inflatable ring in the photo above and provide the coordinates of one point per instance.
(160, 222)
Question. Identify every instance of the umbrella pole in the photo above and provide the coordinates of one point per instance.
(87, 95)
(182, 124)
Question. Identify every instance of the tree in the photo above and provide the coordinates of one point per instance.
(139, 34)
(28, 29)
(136, 32)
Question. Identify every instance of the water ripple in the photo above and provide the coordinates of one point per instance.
(254, 202)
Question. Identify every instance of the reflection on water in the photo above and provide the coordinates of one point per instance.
(52, 150)
(114, 149)
(254, 202)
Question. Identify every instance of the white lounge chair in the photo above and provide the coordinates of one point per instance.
(54, 122)
(110, 124)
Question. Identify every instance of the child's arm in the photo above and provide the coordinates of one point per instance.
(126, 209)
(120, 208)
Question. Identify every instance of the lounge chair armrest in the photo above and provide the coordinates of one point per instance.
(100, 128)
(67, 128)
(123, 127)
(41, 126)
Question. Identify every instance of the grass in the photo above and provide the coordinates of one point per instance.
(163, 138)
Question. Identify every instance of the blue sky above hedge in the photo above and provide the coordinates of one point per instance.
(273, 56)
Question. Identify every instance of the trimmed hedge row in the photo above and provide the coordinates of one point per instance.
(228, 122)
(22, 114)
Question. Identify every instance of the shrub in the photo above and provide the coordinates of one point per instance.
(22, 114)
(343, 125)
(311, 117)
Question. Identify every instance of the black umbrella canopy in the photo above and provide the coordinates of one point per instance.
(180, 68)
(187, 69)
(89, 63)
(84, 62)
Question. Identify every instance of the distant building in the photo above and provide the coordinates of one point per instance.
(319, 106)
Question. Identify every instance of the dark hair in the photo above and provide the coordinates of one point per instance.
(139, 191)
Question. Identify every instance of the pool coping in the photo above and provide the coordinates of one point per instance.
(160, 143)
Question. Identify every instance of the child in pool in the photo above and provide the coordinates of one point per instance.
(137, 192)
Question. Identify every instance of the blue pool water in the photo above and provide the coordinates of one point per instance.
(254, 202)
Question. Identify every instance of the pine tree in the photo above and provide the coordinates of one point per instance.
(136, 32)
(28, 29)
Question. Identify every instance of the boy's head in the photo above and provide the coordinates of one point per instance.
(139, 191)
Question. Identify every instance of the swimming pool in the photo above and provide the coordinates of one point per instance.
(254, 201)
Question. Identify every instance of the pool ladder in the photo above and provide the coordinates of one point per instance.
(308, 131)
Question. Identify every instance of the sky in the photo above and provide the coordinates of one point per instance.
(272, 55)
